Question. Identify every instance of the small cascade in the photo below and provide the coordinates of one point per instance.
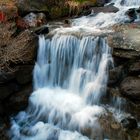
(104, 20)
(126, 2)
(70, 78)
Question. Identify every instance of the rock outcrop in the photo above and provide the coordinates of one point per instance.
(18, 47)
(125, 42)
(130, 87)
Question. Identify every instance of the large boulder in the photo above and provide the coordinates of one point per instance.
(130, 87)
(125, 41)
(105, 9)
(129, 123)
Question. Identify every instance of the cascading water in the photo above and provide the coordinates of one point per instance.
(102, 20)
(126, 2)
(70, 79)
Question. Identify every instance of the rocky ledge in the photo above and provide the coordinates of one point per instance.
(125, 42)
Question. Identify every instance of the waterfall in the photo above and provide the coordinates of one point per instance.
(70, 78)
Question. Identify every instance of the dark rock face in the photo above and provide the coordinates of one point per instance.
(19, 100)
(129, 123)
(42, 30)
(3, 132)
(106, 9)
(15, 93)
(13, 82)
(102, 2)
(134, 69)
(24, 74)
(6, 77)
(130, 87)
(7, 89)
(115, 75)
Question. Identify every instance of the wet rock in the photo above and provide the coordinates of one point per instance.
(7, 89)
(102, 2)
(111, 128)
(42, 30)
(134, 69)
(126, 54)
(132, 14)
(106, 9)
(35, 19)
(6, 76)
(3, 131)
(24, 74)
(129, 123)
(115, 75)
(31, 20)
(112, 93)
(19, 100)
(130, 87)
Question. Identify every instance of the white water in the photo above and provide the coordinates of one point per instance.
(126, 2)
(70, 79)
(102, 20)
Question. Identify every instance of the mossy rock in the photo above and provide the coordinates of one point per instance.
(55, 12)
(65, 11)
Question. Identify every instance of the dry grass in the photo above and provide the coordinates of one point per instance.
(20, 49)
(7, 2)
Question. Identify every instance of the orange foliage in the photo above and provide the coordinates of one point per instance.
(2, 17)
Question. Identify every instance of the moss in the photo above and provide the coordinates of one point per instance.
(81, 1)
(55, 12)
(65, 11)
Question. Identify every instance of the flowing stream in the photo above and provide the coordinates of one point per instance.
(70, 80)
